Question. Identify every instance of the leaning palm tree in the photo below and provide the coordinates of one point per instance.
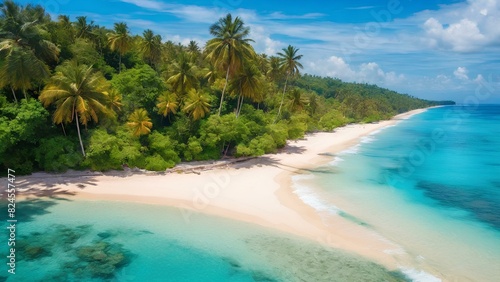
(140, 123)
(150, 47)
(229, 48)
(120, 41)
(289, 62)
(167, 103)
(197, 105)
(78, 93)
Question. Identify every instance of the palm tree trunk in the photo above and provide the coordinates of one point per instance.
(64, 131)
(224, 90)
(282, 99)
(79, 136)
(240, 106)
(13, 93)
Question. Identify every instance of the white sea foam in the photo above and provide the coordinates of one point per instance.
(336, 161)
(352, 150)
(311, 197)
(419, 275)
(367, 139)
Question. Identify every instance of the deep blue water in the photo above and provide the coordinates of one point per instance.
(431, 184)
(451, 155)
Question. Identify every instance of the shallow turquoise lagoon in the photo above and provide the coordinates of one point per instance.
(77, 240)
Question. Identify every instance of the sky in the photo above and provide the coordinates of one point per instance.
(433, 49)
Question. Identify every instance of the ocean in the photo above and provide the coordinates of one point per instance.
(430, 184)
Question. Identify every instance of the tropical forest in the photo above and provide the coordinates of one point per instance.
(77, 95)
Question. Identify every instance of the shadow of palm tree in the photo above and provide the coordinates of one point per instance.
(27, 210)
(269, 160)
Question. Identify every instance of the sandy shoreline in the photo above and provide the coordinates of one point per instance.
(257, 191)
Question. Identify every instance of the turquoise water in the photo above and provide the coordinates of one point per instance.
(78, 240)
(431, 184)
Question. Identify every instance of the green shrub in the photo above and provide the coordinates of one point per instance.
(58, 154)
(331, 120)
(157, 163)
(192, 150)
(164, 147)
(279, 133)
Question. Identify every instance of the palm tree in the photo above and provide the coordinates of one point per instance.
(313, 103)
(248, 84)
(114, 100)
(24, 51)
(210, 73)
(84, 29)
(182, 75)
(298, 101)
(20, 68)
(120, 41)
(167, 103)
(289, 62)
(150, 47)
(229, 48)
(274, 72)
(193, 48)
(140, 123)
(78, 93)
(197, 105)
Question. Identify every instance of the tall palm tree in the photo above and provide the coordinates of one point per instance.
(167, 103)
(248, 84)
(289, 62)
(150, 47)
(197, 105)
(229, 47)
(120, 41)
(78, 93)
(140, 123)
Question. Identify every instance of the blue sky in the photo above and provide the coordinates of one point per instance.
(430, 49)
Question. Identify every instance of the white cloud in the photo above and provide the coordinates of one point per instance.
(365, 73)
(463, 27)
(147, 4)
(190, 13)
(461, 73)
(281, 16)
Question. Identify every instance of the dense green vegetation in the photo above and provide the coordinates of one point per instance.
(74, 94)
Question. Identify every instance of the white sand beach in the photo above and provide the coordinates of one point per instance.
(257, 191)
